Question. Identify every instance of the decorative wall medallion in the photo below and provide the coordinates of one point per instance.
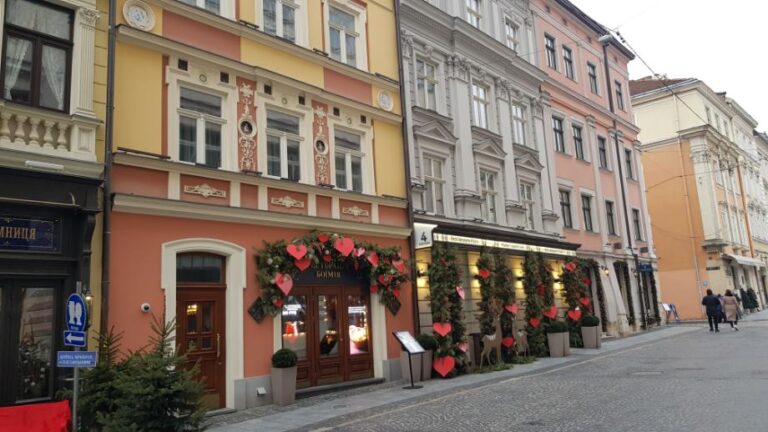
(385, 100)
(247, 128)
(205, 190)
(320, 147)
(355, 211)
(203, 78)
(287, 202)
(139, 15)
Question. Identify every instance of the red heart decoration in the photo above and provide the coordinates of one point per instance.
(571, 266)
(396, 293)
(322, 238)
(303, 263)
(585, 301)
(460, 291)
(284, 282)
(512, 308)
(463, 347)
(540, 290)
(586, 281)
(374, 288)
(360, 251)
(484, 273)
(384, 279)
(508, 341)
(551, 313)
(441, 328)
(399, 265)
(574, 314)
(444, 365)
(373, 258)
(327, 258)
(296, 251)
(534, 322)
(345, 246)
(278, 303)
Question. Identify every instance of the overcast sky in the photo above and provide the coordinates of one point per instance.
(722, 44)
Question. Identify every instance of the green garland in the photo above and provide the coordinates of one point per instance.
(485, 268)
(446, 305)
(280, 262)
(496, 283)
(539, 297)
(576, 281)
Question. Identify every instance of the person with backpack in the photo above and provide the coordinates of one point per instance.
(712, 304)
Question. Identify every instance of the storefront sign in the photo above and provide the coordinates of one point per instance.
(32, 235)
(423, 234)
(645, 268)
(329, 274)
(471, 241)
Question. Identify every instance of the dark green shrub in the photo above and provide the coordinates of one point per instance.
(428, 342)
(590, 321)
(557, 327)
(284, 358)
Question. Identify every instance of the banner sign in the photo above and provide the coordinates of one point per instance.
(471, 241)
(31, 235)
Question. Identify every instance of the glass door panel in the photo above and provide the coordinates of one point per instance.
(328, 325)
(294, 324)
(36, 344)
(357, 319)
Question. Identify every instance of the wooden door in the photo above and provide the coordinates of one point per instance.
(330, 348)
(357, 325)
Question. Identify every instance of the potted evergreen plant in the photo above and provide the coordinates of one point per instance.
(558, 339)
(429, 343)
(284, 376)
(590, 331)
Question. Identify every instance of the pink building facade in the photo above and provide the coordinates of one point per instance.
(592, 143)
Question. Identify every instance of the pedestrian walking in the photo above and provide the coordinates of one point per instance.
(711, 303)
(720, 314)
(731, 309)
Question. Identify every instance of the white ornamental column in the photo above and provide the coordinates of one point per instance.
(81, 97)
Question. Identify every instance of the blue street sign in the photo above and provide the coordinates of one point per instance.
(77, 313)
(74, 338)
(645, 268)
(76, 359)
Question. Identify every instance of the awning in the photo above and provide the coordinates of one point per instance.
(747, 261)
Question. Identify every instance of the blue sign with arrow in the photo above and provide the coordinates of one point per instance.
(74, 338)
(77, 313)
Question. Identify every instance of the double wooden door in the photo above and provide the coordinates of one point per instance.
(329, 328)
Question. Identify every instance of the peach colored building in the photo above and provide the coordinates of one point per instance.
(592, 143)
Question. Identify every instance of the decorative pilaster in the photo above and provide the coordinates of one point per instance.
(246, 124)
(321, 145)
(81, 99)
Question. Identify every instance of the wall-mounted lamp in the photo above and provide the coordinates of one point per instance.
(421, 273)
(605, 270)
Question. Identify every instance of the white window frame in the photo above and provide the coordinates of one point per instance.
(474, 13)
(607, 164)
(593, 78)
(348, 154)
(551, 60)
(366, 148)
(570, 219)
(479, 104)
(489, 196)
(610, 218)
(300, 19)
(284, 136)
(637, 226)
(226, 8)
(201, 119)
(361, 17)
(619, 95)
(580, 148)
(527, 194)
(511, 30)
(568, 65)
(433, 183)
(589, 223)
(629, 163)
(427, 80)
(518, 123)
(562, 147)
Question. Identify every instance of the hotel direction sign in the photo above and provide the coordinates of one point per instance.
(472, 241)
(30, 235)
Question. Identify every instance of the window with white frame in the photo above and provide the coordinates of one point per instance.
(510, 30)
(426, 84)
(619, 96)
(629, 164)
(610, 217)
(727, 233)
(637, 223)
(473, 12)
(209, 5)
(526, 198)
(348, 158)
(434, 186)
(578, 142)
(488, 193)
(480, 105)
(283, 145)
(549, 46)
(557, 128)
(592, 72)
(518, 123)
(280, 18)
(343, 33)
(200, 127)
(709, 115)
(602, 151)
(565, 208)
(568, 62)
(586, 210)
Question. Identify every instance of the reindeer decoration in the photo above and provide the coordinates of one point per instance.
(493, 341)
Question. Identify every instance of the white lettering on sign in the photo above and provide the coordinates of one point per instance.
(471, 241)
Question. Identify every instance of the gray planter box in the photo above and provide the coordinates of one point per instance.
(426, 365)
(416, 366)
(284, 385)
(591, 337)
(557, 343)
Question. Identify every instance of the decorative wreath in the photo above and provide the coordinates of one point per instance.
(280, 262)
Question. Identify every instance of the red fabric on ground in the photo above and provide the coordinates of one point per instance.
(44, 417)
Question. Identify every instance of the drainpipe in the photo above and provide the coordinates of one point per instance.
(407, 158)
(605, 39)
(107, 187)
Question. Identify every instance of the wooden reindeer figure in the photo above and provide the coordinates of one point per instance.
(493, 341)
(521, 337)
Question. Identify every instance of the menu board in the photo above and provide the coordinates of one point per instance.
(408, 342)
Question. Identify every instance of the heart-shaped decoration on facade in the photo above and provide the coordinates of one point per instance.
(303, 263)
(399, 265)
(550, 313)
(384, 279)
(441, 328)
(322, 238)
(327, 258)
(374, 288)
(534, 322)
(463, 347)
(585, 301)
(570, 266)
(574, 314)
(373, 258)
(508, 341)
(444, 365)
(460, 291)
(512, 308)
(484, 273)
(396, 293)
(360, 252)
(296, 251)
(278, 302)
(345, 246)
(284, 282)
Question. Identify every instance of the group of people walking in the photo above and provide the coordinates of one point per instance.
(721, 309)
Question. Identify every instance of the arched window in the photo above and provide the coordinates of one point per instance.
(199, 268)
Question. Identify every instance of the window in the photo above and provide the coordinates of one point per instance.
(609, 216)
(480, 105)
(709, 115)
(628, 161)
(200, 128)
(199, 268)
(526, 197)
(578, 143)
(37, 54)
(619, 96)
(602, 152)
(473, 12)
(717, 121)
(283, 144)
(488, 193)
(557, 127)
(636, 223)
(565, 208)
(209, 5)
(511, 32)
(549, 45)
(349, 161)
(426, 83)
(434, 186)
(343, 36)
(280, 18)
(592, 71)
(586, 209)
(568, 61)
(518, 124)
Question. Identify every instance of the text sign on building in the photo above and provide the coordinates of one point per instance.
(330, 273)
(31, 235)
(76, 359)
(645, 268)
(471, 241)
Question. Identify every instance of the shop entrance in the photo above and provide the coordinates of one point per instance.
(329, 329)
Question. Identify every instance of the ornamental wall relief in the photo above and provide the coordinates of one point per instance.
(246, 124)
(205, 190)
(287, 202)
(321, 137)
(355, 211)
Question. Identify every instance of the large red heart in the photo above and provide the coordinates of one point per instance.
(303, 263)
(345, 246)
(463, 347)
(571, 266)
(444, 365)
(373, 258)
(399, 265)
(512, 308)
(322, 238)
(441, 328)
(484, 273)
(460, 291)
(574, 314)
(585, 301)
(384, 279)
(550, 313)
(296, 251)
(508, 341)
(534, 322)
(284, 282)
